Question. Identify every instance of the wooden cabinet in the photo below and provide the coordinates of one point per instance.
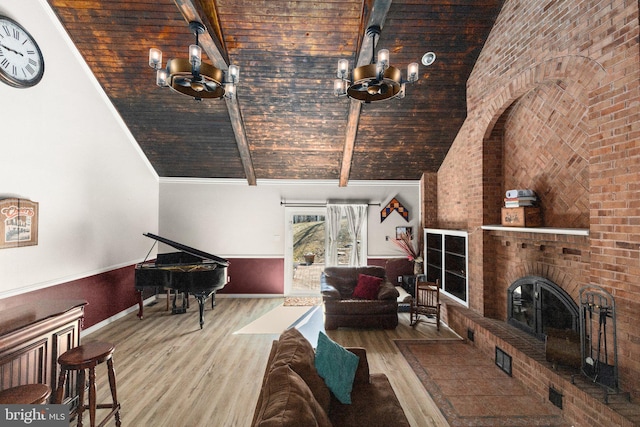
(32, 336)
(446, 254)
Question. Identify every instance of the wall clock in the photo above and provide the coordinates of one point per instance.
(21, 61)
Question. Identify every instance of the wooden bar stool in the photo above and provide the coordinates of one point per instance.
(88, 356)
(27, 394)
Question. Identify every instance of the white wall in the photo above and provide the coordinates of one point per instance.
(63, 145)
(232, 219)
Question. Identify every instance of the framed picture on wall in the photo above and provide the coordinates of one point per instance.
(18, 223)
(403, 230)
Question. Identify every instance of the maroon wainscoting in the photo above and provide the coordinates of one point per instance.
(112, 292)
(255, 276)
(377, 261)
(107, 294)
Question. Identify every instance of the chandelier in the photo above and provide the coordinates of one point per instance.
(192, 77)
(377, 81)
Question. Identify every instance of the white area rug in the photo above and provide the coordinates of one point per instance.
(276, 320)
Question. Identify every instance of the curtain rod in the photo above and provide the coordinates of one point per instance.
(322, 204)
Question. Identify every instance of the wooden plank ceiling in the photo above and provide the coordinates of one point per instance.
(285, 122)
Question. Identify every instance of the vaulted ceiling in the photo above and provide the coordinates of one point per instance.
(285, 122)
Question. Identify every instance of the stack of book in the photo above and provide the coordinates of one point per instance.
(520, 198)
(521, 209)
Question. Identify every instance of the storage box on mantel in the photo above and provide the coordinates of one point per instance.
(524, 216)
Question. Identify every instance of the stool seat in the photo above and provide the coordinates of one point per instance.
(27, 394)
(87, 355)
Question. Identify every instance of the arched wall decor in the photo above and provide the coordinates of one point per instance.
(394, 205)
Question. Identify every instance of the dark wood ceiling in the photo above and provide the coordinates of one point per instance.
(285, 122)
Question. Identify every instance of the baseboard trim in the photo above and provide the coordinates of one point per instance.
(149, 300)
(115, 317)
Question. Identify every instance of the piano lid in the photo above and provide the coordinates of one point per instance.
(195, 252)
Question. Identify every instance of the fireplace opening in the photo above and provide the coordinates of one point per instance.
(536, 304)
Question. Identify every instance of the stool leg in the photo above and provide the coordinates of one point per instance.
(80, 386)
(112, 385)
(60, 390)
(92, 395)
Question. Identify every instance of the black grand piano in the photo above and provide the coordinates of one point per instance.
(189, 271)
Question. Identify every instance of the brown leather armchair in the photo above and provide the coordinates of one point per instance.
(342, 309)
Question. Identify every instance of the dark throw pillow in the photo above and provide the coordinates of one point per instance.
(367, 287)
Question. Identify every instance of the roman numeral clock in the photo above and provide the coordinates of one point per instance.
(21, 61)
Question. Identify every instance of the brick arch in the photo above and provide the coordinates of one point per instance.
(576, 69)
(581, 77)
(549, 272)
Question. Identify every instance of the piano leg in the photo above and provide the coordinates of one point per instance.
(140, 305)
(201, 299)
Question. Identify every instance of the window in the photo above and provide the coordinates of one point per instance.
(446, 261)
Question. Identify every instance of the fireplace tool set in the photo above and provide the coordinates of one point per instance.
(598, 341)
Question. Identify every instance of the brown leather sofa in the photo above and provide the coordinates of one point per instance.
(293, 393)
(342, 309)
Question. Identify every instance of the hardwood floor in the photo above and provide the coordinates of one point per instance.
(172, 373)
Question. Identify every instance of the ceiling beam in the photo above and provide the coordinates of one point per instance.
(374, 14)
(214, 48)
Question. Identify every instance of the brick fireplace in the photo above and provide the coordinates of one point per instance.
(553, 105)
(561, 259)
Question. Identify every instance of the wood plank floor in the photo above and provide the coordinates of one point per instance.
(172, 373)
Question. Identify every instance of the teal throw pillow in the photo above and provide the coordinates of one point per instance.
(337, 366)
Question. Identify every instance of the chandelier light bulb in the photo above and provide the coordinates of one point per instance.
(343, 68)
(383, 58)
(339, 87)
(161, 77)
(230, 90)
(155, 58)
(195, 55)
(234, 73)
(412, 72)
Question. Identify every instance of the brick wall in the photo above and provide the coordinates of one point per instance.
(429, 199)
(554, 105)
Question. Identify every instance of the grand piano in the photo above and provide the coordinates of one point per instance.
(188, 271)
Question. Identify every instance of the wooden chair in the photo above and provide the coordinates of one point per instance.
(26, 394)
(426, 302)
(80, 359)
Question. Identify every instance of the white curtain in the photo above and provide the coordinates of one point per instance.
(356, 215)
(334, 212)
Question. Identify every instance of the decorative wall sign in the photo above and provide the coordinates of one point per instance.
(18, 223)
(394, 205)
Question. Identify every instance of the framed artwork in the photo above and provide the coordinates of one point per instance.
(404, 230)
(18, 223)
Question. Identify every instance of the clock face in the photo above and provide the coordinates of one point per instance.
(21, 62)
